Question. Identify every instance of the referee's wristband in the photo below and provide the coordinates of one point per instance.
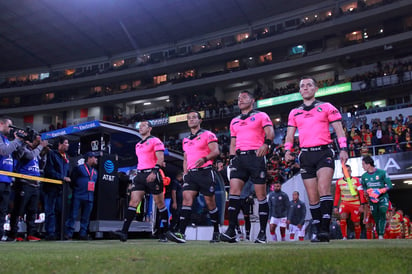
(268, 142)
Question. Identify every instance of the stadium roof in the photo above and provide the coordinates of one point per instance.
(43, 33)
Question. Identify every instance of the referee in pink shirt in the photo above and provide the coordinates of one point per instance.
(312, 120)
(252, 135)
(200, 149)
(150, 154)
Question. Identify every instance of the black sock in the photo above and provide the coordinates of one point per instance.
(164, 219)
(263, 214)
(247, 225)
(316, 216)
(214, 219)
(233, 209)
(131, 212)
(184, 218)
(326, 207)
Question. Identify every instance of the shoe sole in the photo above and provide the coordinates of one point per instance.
(228, 239)
(173, 238)
(260, 241)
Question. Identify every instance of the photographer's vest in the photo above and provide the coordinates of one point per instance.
(6, 163)
(30, 168)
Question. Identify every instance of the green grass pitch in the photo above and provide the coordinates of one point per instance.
(150, 256)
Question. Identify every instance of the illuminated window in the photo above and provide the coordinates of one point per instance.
(34, 77)
(242, 37)
(44, 75)
(199, 48)
(97, 89)
(48, 96)
(189, 73)
(22, 78)
(265, 58)
(159, 79)
(232, 64)
(69, 72)
(118, 64)
(354, 36)
(349, 7)
(124, 87)
(299, 49)
(136, 83)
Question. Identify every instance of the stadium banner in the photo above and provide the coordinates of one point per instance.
(107, 189)
(155, 122)
(182, 117)
(69, 130)
(395, 164)
(288, 98)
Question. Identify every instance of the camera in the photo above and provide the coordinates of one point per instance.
(28, 134)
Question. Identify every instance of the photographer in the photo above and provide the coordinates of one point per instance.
(26, 192)
(6, 164)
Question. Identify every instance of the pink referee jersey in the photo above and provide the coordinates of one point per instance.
(249, 133)
(197, 146)
(146, 152)
(313, 123)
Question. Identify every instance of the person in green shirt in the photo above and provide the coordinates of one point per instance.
(376, 183)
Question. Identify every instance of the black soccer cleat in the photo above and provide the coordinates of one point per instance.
(162, 238)
(261, 238)
(215, 237)
(229, 236)
(322, 237)
(121, 235)
(176, 237)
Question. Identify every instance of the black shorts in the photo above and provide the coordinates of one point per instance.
(201, 180)
(249, 166)
(140, 184)
(312, 161)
